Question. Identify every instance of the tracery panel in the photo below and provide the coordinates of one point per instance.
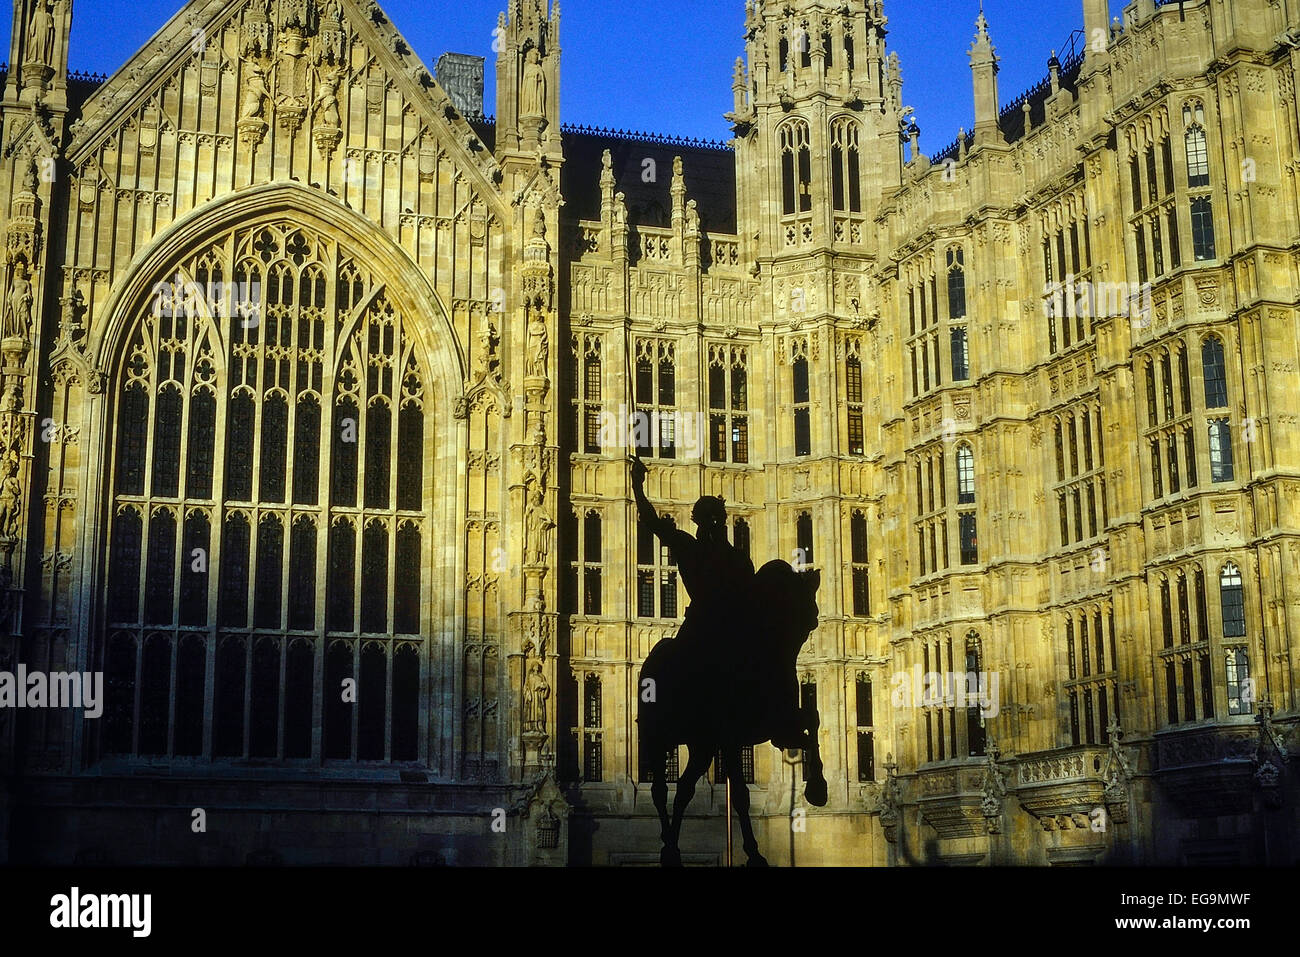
(268, 509)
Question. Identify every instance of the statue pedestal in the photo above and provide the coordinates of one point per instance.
(251, 131)
(327, 140)
(530, 130)
(36, 80)
(14, 351)
(534, 754)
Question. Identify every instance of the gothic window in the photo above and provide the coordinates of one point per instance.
(802, 409)
(846, 166)
(1166, 614)
(1203, 244)
(268, 432)
(656, 576)
(728, 404)
(932, 516)
(587, 566)
(655, 430)
(593, 762)
(866, 729)
(807, 700)
(956, 283)
(796, 168)
(740, 538)
(965, 475)
(1215, 373)
(1231, 602)
(1221, 469)
(853, 388)
(975, 726)
(804, 540)
(1240, 698)
(1198, 156)
(585, 386)
(859, 558)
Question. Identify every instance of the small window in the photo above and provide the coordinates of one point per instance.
(960, 355)
(1240, 696)
(804, 538)
(1203, 245)
(1221, 469)
(965, 476)
(1198, 159)
(1232, 602)
(1212, 366)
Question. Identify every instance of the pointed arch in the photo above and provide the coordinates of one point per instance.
(333, 313)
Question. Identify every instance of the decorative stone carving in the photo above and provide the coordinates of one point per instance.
(11, 493)
(1117, 772)
(536, 692)
(18, 304)
(41, 38)
(488, 364)
(532, 88)
(1268, 774)
(891, 800)
(994, 786)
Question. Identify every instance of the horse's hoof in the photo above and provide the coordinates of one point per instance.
(670, 857)
(756, 860)
(815, 793)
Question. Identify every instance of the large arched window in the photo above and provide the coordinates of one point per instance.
(796, 168)
(267, 511)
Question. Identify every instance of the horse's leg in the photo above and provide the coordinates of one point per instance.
(696, 764)
(814, 792)
(740, 799)
(668, 856)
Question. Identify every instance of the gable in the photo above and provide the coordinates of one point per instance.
(315, 90)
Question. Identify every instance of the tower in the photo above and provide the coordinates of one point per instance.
(32, 110)
(817, 117)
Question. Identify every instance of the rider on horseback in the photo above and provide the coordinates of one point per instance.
(717, 575)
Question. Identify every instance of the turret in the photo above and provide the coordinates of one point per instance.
(528, 78)
(817, 118)
(984, 71)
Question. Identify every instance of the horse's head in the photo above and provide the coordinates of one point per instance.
(788, 601)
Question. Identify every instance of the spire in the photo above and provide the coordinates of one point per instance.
(984, 69)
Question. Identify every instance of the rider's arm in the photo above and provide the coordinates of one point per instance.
(662, 526)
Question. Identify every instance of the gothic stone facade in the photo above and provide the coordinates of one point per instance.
(314, 441)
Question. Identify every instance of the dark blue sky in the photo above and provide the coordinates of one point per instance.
(664, 66)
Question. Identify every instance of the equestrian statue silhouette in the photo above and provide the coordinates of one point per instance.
(728, 679)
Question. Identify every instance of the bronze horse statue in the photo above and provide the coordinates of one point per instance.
(728, 679)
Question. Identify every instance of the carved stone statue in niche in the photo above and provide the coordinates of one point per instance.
(488, 363)
(327, 101)
(18, 307)
(692, 219)
(532, 91)
(11, 491)
(255, 93)
(536, 691)
(538, 525)
(41, 35)
(538, 346)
